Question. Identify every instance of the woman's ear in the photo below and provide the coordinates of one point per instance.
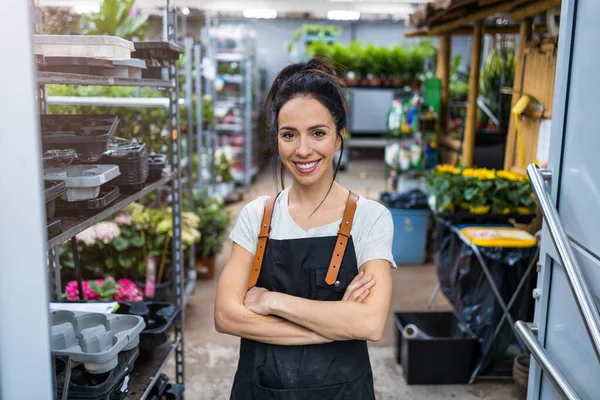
(338, 141)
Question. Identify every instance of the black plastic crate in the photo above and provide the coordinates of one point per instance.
(54, 228)
(157, 163)
(53, 190)
(159, 387)
(174, 391)
(88, 135)
(133, 165)
(113, 385)
(156, 51)
(445, 358)
(75, 65)
(86, 208)
(159, 318)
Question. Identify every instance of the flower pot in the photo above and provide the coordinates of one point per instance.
(205, 267)
(162, 291)
(375, 82)
(480, 210)
(523, 211)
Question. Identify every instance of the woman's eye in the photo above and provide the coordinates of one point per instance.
(319, 133)
(287, 135)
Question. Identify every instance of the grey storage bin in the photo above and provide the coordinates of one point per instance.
(94, 339)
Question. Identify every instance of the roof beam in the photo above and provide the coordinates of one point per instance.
(532, 9)
(468, 30)
(476, 16)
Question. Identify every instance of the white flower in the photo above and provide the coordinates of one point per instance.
(123, 219)
(88, 237)
(107, 231)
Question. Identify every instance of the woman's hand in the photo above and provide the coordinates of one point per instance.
(257, 300)
(358, 289)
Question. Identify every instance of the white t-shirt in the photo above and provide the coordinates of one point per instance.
(372, 229)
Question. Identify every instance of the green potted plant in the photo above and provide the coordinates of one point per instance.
(224, 185)
(398, 62)
(214, 222)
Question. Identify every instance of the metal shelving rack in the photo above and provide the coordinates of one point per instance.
(144, 375)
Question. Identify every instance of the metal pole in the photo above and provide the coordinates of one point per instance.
(248, 123)
(25, 367)
(189, 83)
(581, 291)
(550, 369)
(211, 90)
(177, 258)
(199, 116)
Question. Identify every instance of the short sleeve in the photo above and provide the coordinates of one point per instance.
(246, 228)
(377, 243)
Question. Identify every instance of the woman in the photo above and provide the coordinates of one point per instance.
(299, 286)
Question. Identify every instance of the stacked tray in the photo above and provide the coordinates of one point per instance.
(156, 55)
(157, 164)
(132, 160)
(83, 181)
(87, 208)
(53, 190)
(129, 68)
(94, 339)
(159, 318)
(88, 135)
(96, 46)
(75, 65)
(113, 385)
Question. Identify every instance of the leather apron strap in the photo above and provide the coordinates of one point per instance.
(342, 239)
(338, 253)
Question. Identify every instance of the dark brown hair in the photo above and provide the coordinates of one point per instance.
(316, 79)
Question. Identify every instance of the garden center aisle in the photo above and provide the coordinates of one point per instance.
(211, 358)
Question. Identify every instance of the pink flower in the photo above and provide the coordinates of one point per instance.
(72, 291)
(123, 219)
(127, 291)
(88, 237)
(107, 231)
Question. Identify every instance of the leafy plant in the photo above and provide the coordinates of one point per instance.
(60, 21)
(117, 18)
(223, 168)
(497, 73)
(214, 222)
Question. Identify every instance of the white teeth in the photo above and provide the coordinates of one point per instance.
(307, 166)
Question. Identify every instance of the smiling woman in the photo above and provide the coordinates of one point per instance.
(308, 282)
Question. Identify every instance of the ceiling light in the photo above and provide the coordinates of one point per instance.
(185, 11)
(263, 13)
(86, 9)
(343, 15)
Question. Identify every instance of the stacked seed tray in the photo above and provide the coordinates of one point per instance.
(87, 55)
(157, 55)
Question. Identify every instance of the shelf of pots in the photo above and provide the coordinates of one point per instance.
(134, 245)
(477, 194)
(215, 219)
(373, 66)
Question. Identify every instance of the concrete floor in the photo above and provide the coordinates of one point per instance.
(211, 358)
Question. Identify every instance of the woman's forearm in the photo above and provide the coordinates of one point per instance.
(237, 320)
(337, 320)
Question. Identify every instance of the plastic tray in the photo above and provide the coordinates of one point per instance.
(83, 181)
(86, 134)
(131, 68)
(54, 227)
(157, 51)
(159, 318)
(159, 387)
(76, 65)
(59, 158)
(132, 162)
(53, 189)
(110, 385)
(157, 163)
(94, 339)
(107, 47)
(87, 208)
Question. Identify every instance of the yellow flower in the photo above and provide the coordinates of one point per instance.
(448, 169)
(479, 173)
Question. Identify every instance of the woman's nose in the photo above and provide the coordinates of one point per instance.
(304, 149)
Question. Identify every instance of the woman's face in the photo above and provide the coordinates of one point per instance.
(307, 140)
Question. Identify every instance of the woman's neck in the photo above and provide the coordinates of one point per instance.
(312, 195)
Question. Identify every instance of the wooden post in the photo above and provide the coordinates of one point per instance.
(443, 72)
(524, 36)
(471, 122)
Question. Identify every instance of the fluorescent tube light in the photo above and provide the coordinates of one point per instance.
(343, 15)
(262, 13)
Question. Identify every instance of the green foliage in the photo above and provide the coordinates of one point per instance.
(459, 80)
(116, 18)
(497, 73)
(223, 169)
(319, 33)
(214, 222)
(60, 21)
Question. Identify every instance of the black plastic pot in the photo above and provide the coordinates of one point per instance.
(86, 134)
(159, 387)
(53, 190)
(111, 385)
(133, 166)
(156, 50)
(159, 318)
(157, 163)
(162, 291)
(86, 208)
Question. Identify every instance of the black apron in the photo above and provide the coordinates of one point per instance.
(334, 371)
